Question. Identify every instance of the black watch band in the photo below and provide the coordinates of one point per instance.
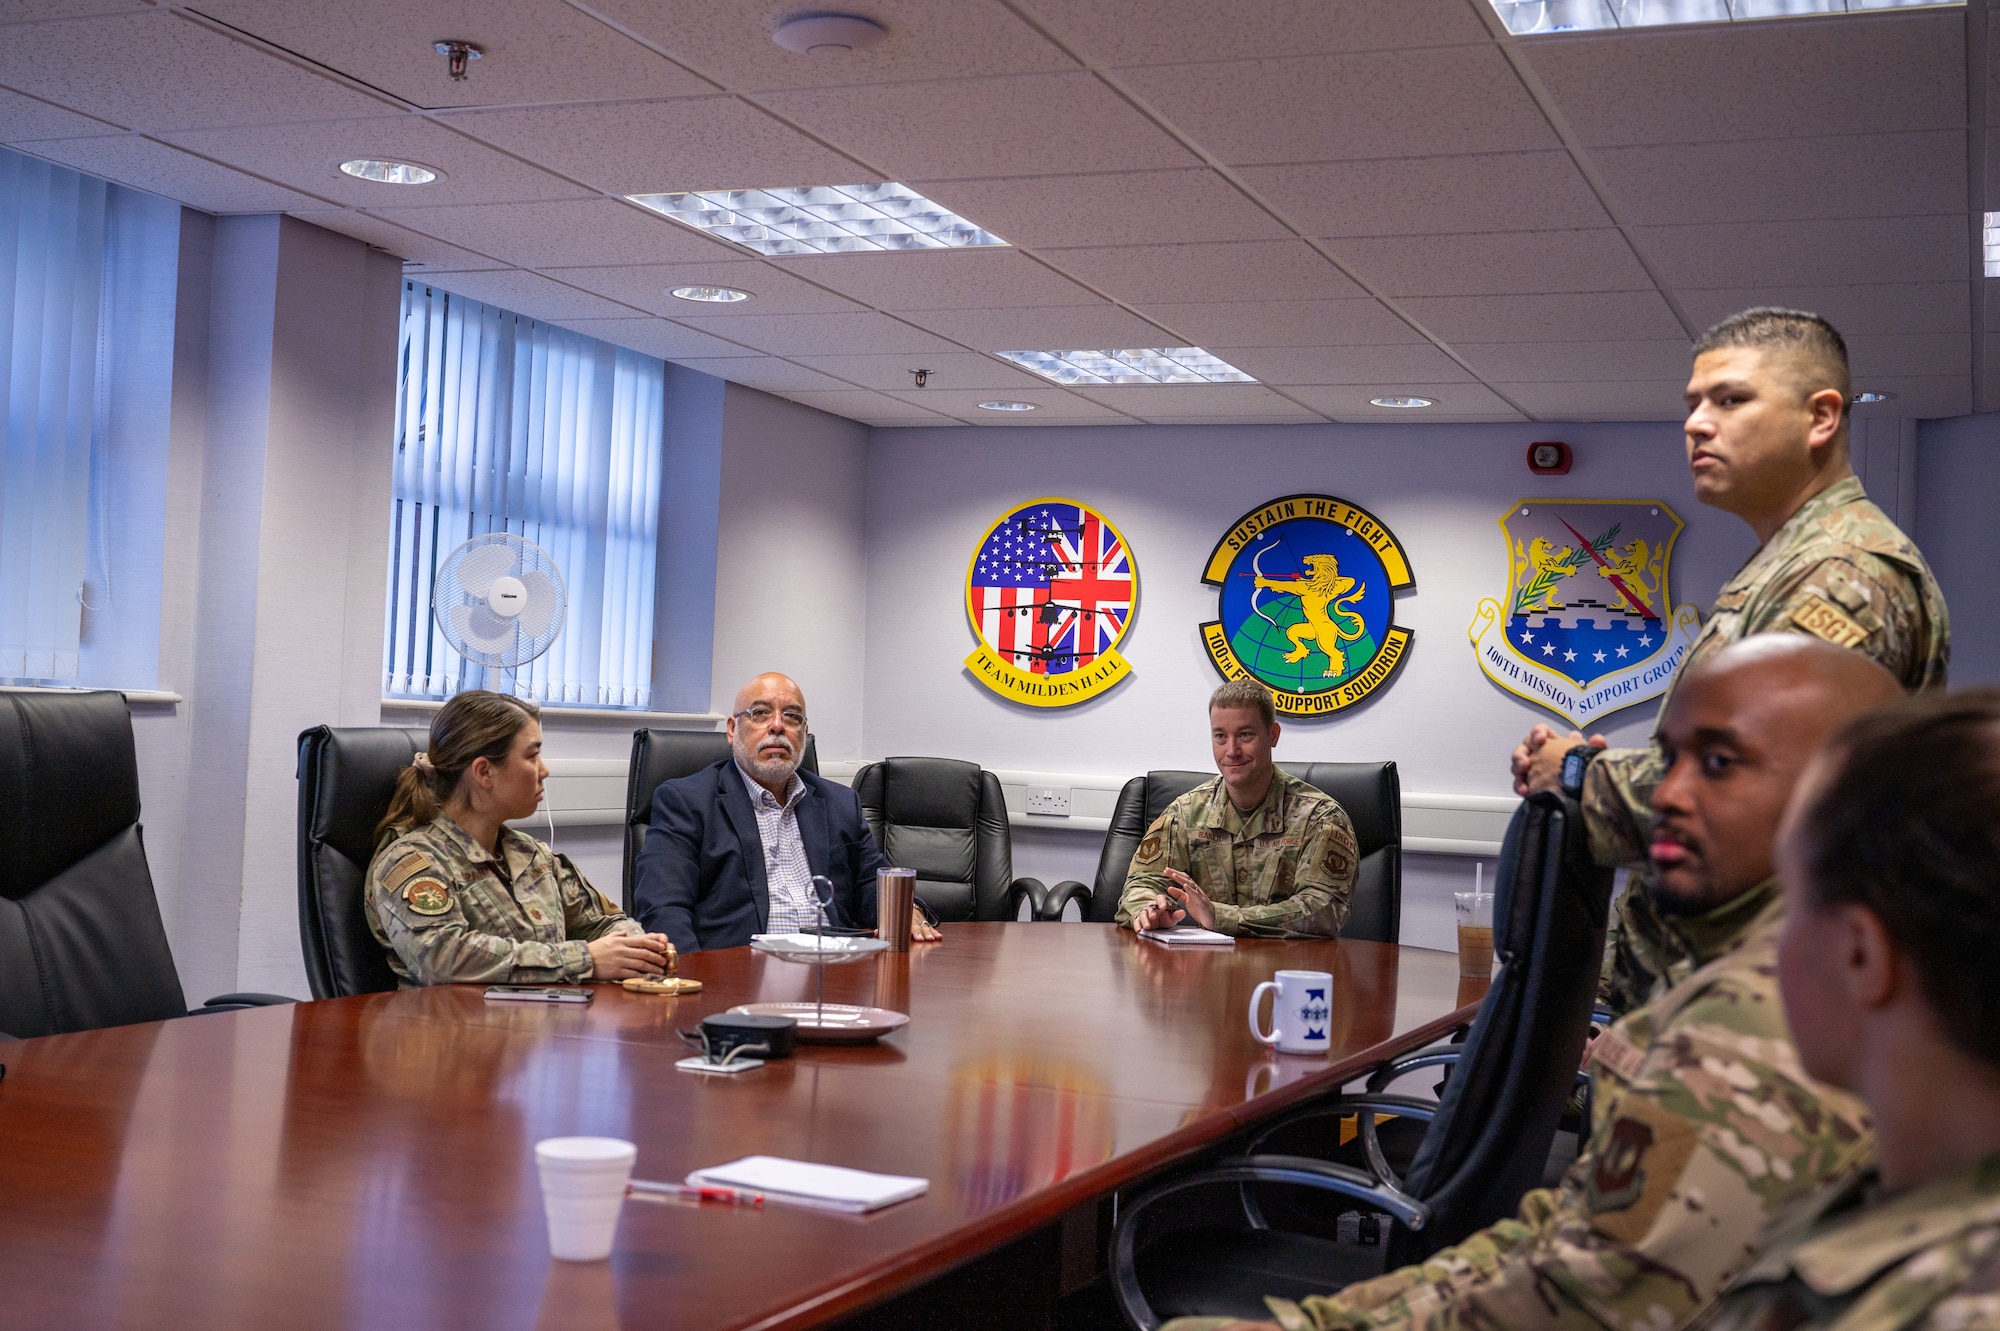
(1575, 763)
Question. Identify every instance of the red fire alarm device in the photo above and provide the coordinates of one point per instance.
(1549, 459)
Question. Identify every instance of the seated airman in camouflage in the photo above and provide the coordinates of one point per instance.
(1891, 867)
(1255, 852)
(1703, 1123)
(456, 895)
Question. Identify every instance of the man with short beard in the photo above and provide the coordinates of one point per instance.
(1703, 1122)
(733, 848)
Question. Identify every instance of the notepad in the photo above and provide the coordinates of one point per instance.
(1188, 935)
(801, 1183)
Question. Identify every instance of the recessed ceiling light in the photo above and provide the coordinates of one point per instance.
(1006, 406)
(1524, 17)
(1872, 396)
(821, 219)
(712, 295)
(1152, 365)
(390, 173)
(1406, 403)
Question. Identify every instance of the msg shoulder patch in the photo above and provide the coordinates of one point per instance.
(1823, 619)
(427, 896)
(1149, 849)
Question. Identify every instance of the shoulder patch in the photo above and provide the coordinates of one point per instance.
(428, 896)
(1149, 849)
(1821, 618)
(403, 870)
(1616, 1051)
(1337, 859)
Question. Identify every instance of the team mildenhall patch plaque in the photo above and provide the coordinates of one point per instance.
(1051, 591)
(1305, 602)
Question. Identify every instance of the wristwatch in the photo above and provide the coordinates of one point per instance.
(1575, 763)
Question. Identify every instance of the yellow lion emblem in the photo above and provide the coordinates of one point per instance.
(1631, 566)
(1324, 597)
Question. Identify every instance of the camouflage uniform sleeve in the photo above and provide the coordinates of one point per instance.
(1618, 803)
(1699, 1135)
(1322, 885)
(435, 944)
(1163, 847)
(587, 913)
(1854, 600)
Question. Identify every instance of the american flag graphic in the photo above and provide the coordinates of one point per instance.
(1052, 587)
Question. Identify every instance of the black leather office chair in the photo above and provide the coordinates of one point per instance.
(1371, 793)
(81, 942)
(347, 775)
(947, 820)
(1487, 1139)
(667, 755)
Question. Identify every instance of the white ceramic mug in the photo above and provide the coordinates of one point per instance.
(1301, 1012)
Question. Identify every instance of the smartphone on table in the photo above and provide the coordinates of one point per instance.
(538, 993)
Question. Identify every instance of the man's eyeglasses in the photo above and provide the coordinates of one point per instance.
(761, 715)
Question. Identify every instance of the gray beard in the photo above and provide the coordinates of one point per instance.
(772, 771)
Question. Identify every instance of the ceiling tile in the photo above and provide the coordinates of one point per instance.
(940, 279)
(1410, 362)
(1285, 323)
(1239, 270)
(1495, 191)
(1212, 401)
(765, 372)
(530, 294)
(418, 251)
(1336, 108)
(1859, 74)
(869, 408)
(532, 50)
(1617, 315)
(143, 164)
(773, 291)
(1759, 180)
(1577, 362)
(31, 11)
(1291, 415)
(979, 128)
(209, 79)
(1127, 208)
(1861, 249)
(308, 157)
(1167, 32)
(1643, 400)
(23, 119)
(1051, 404)
(1858, 310)
(571, 233)
(1876, 357)
(655, 147)
(656, 337)
(1062, 328)
(729, 41)
(1495, 264)
(948, 371)
(820, 334)
(1350, 402)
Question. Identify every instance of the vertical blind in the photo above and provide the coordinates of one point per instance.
(52, 275)
(505, 424)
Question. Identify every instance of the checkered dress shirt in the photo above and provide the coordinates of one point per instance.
(794, 906)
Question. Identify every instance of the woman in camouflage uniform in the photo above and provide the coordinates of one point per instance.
(457, 896)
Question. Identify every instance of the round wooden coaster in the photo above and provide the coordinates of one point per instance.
(658, 984)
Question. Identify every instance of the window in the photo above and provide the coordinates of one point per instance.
(508, 425)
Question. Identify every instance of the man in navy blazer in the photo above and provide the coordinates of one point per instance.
(732, 848)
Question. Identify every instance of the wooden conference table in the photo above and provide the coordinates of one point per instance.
(367, 1162)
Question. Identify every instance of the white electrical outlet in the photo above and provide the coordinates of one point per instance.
(1049, 800)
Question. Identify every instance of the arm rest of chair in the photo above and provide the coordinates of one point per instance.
(1030, 888)
(1289, 1169)
(1050, 907)
(230, 1002)
(1436, 1056)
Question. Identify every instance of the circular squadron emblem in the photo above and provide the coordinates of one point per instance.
(1051, 592)
(1305, 601)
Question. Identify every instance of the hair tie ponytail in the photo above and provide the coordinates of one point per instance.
(422, 762)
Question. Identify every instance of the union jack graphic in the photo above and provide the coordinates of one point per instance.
(1053, 588)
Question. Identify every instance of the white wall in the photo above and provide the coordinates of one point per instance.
(1173, 491)
(1958, 488)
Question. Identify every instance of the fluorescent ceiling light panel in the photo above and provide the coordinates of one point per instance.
(1993, 244)
(1525, 17)
(1153, 365)
(822, 219)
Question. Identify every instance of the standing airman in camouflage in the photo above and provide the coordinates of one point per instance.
(1256, 852)
(1703, 1122)
(457, 896)
(1767, 438)
(1891, 866)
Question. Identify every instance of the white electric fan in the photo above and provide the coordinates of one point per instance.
(499, 601)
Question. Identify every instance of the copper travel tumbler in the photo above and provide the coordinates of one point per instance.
(895, 897)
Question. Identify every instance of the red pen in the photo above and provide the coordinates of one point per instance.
(646, 1188)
